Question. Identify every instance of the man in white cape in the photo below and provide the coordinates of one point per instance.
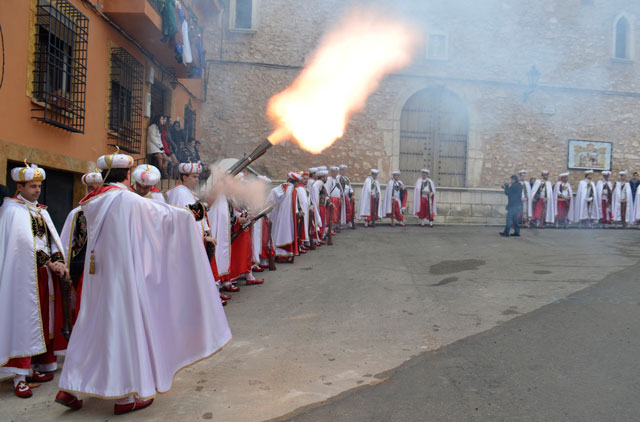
(304, 204)
(336, 195)
(315, 208)
(147, 177)
(370, 207)
(622, 201)
(525, 218)
(348, 196)
(587, 210)
(604, 189)
(284, 216)
(150, 306)
(32, 261)
(395, 199)
(563, 198)
(542, 203)
(425, 203)
(74, 240)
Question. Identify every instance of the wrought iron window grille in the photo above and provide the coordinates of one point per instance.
(125, 100)
(60, 65)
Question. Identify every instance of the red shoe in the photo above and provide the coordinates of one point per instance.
(68, 400)
(257, 269)
(256, 281)
(225, 297)
(137, 404)
(23, 390)
(39, 377)
(303, 251)
(224, 303)
(231, 288)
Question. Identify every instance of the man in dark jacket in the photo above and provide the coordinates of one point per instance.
(514, 206)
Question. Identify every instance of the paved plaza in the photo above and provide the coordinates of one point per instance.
(417, 324)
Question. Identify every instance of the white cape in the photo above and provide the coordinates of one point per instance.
(152, 306)
(303, 200)
(417, 194)
(21, 332)
(551, 204)
(181, 196)
(617, 194)
(283, 217)
(66, 235)
(334, 190)
(526, 190)
(364, 209)
(220, 223)
(387, 203)
(585, 210)
(556, 194)
(314, 200)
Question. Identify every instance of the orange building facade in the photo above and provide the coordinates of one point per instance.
(80, 77)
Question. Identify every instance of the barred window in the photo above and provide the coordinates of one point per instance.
(125, 100)
(60, 64)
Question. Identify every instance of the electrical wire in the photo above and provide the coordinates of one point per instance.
(2, 46)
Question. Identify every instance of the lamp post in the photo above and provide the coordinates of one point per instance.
(533, 77)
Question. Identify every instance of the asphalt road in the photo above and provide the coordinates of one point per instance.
(415, 324)
(577, 359)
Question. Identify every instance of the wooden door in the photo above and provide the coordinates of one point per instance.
(433, 134)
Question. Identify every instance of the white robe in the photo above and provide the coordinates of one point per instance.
(389, 197)
(220, 223)
(364, 208)
(417, 194)
(569, 193)
(150, 309)
(636, 207)
(314, 200)
(526, 197)
(283, 217)
(21, 332)
(550, 216)
(66, 235)
(303, 200)
(585, 209)
(599, 190)
(181, 196)
(616, 203)
(334, 190)
(156, 196)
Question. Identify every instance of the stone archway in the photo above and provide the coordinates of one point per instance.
(434, 128)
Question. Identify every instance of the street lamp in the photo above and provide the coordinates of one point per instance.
(533, 76)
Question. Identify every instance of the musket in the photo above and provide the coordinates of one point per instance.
(252, 220)
(330, 224)
(353, 212)
(65, 294)
(312, 222)
(271, 255)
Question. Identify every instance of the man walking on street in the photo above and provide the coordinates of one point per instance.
(514, 206)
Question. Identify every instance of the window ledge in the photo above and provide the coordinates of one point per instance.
(623, 61)
(243, 31)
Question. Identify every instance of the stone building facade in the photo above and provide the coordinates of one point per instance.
(471, 106)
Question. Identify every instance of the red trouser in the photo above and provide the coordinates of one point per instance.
(607, 215)
(323, 218)
(396, 212)
(48, 356)
(425, 209)
(348, 206)
(241, 253)
(373, 211)
(539, 209)
(563, 210)
(336, 210)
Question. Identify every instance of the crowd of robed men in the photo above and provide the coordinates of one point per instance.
(101, 293)
(602, 203)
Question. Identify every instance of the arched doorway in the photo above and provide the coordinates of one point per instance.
(434, 127)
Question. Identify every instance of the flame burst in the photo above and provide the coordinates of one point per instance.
(345, 69)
